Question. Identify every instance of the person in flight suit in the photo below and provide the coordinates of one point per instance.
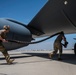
(2, 48)
(58, 45)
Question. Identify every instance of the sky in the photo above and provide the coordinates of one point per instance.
(20, 10)
(24, 11)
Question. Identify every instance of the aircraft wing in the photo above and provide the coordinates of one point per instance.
(55, 16)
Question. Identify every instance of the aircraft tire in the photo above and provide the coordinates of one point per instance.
(75, 48)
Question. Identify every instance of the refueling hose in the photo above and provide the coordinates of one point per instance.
(21, 42)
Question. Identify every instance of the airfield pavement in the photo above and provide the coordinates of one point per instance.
(38, 63)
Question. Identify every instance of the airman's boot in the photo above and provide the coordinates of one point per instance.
(9, 61)
(59, 57)
(7, 57)
(50, 55)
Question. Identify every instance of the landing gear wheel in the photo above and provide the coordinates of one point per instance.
(75, 48)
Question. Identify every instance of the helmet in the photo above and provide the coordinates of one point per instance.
(6, 27)
(62, 33)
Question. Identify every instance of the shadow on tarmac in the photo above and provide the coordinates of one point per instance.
(3, 74)
(67, 58)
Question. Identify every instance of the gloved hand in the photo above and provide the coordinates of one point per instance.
(65, 44)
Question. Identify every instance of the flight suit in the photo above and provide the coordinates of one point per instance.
(3, 50)
(58, 46)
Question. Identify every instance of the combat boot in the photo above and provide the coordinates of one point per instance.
(50, 55)
(7, 57)
(59, 59)
(10, 61)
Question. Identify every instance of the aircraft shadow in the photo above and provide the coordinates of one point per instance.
(13, 57)
(67, 58)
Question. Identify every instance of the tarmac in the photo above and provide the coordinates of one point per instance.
(38, 63)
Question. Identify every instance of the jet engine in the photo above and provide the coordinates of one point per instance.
(18, 32)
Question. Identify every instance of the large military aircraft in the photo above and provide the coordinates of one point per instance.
(55, 16)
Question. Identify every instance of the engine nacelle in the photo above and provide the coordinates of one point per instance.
(18, 31)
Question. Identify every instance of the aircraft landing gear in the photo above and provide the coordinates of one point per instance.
(75, 48)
